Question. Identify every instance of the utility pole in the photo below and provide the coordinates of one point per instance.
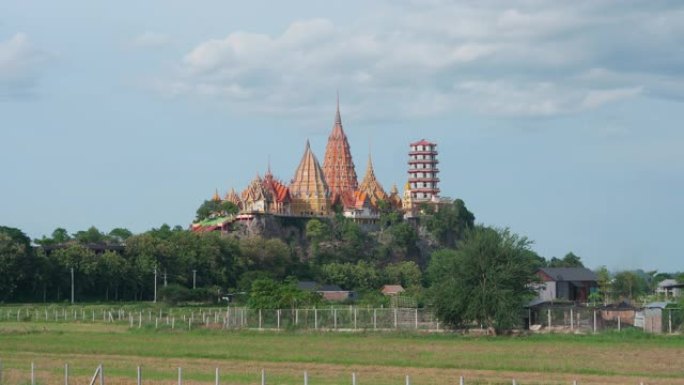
(194, 279)
(72, 285)
(155, 284)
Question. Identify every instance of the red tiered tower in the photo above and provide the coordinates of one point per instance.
(338, 165)
(423, 171)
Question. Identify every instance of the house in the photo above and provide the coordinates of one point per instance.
(328, 292)
(566, 283)
(669, 288)
(391, 290)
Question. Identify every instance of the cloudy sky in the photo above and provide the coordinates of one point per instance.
(560, 120)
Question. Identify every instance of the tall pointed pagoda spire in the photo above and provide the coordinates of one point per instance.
(338, 165)
(370, 184)
(309, 189)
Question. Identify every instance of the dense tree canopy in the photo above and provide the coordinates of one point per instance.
(485, 281)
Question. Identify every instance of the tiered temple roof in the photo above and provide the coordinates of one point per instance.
(308, 188)
(338, 165)
(233, 197)
(371, 186)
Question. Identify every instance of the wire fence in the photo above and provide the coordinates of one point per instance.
(332, 318)
(351, 318)
(587, 319)
(33, 374)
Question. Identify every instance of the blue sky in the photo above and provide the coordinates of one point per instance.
(560, 120)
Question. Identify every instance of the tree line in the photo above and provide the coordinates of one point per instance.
(468, 273)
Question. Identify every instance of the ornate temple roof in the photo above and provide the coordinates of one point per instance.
(309, 179)
(278, 190)
(233, 197)
(394, 198)
(371, 186)
(216, 196)
(256, 191)
(338, 165)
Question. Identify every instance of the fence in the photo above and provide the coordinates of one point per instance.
(351, 318)
(333, 318)
(593, 320)
(33, 377)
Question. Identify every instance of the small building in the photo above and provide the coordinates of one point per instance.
(669, 289)
(392, 290)
(566, 283)
(328, 292)
(621, 312)
(652, 317)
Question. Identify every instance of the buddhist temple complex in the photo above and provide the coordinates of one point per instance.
(321, 191)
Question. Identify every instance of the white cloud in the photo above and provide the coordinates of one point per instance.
(597, 98)
(531, 58)
(19, 61)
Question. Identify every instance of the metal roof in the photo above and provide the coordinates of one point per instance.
(570, 273)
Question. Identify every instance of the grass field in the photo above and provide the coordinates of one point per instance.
(330, 358)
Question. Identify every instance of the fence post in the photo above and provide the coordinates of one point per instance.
(139, 376)
(513, 382)
(259, 319)
(408, 380)
(375, 319)
(669, 320)
(572, 320)
(216, 376)
(548, 317)
(278, 314)
(461, 381)
(296, 316)
(416, 318)
(180, 376)
(619, 323)
(263, 377)
(33, 374)
(102, 379)
(353, 378)
(354, 317)
(306, 378)
(594, 321)
(395, 320)
(66, 374)
(315, 319)
(335, 318)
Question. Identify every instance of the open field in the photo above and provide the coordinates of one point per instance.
(330, 358)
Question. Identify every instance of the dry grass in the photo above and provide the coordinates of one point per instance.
(331, 358)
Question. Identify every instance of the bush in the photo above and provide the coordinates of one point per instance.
(174, 293)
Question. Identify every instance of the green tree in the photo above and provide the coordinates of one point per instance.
(485, 281)
(119, 235)
(11, 253)
(406, 274)
(604, 284)
(449, 223)
(111, 272)
(570, 260)
(629, 285)
(92, 235)
(359, 276)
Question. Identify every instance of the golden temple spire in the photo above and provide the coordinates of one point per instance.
(216, 196)
(370, 184)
